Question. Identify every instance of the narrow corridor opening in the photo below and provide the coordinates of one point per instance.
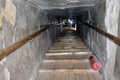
(30, 28)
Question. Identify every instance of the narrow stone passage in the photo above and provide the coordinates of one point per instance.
(34, 46)
(68, 59)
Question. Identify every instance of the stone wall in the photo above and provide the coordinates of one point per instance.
(95, 41)
(18, 19)
(111, 23)
(105, 16)
(117, 63)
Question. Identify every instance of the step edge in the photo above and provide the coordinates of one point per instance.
(82, 60)
(69, 53)
(67, 70)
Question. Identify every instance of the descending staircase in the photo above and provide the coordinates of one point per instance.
(68, 59)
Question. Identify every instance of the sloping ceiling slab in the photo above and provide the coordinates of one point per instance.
(64, 8)
(67, 12)
(62, 4)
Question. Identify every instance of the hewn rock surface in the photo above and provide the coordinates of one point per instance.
(19, 19)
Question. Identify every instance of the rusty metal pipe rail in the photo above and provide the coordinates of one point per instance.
(115, 39)
(8, 50)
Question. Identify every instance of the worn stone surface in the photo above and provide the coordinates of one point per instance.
(61, 4)
(7, 10)
(111, 23)
(67, 68)
(104, 16)
(95, 41)
(19, 19)
(117, 63)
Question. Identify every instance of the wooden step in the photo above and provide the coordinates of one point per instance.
(69, 37)
(63, 41)
(68, 55)
(69, 44)
(66, 64)
(66, 39)
(69, 74)
(68, 47)
(67, 59)
(68, 50)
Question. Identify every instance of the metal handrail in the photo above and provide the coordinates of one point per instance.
(8, 50)
(115, 39)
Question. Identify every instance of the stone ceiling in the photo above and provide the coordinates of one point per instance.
(62, 4)
(64, 7)
(67, 12)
